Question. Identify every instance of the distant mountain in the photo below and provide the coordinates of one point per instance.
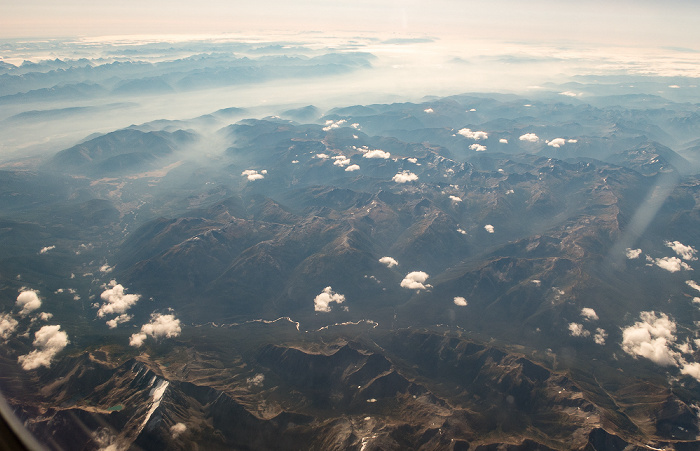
(119, 152)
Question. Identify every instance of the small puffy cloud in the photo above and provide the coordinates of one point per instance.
(600, 336)
(503, 141)
(8, 325)
(692, 284)
(589, 314)
(295, 161)
(341, 160)
(376, 153)
(556, 142)
(462, 231)
(116, 300)
(412, 160)
(252, 174)
(46, 249)
(456, 199)
(323, 300)
(459, 300)
(577, 330)
(672, 264)
(105, 268)
(160, 326)
(691, 369)
(352, 167)
(256, 381)
(429, 110)
(404, 176)
(633, 253)
(475, 135)
(28, 301)
(415, 281)
(530, 137)
(177, 429)
(43, 316)
(683, 251)
(388, 261)
(572, 141)
(123, 318)
(48, 341)
(489, 228)
(477, 147)
(673, 86)
(569, 94)
(651, 338)
(321, 156)
(330, 124)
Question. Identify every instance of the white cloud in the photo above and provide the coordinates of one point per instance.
(8, 325)
(569, 94)
(462, 231)
(531, 137)
(673, 86)
(177, 429)
(577, 330)
(352, 167)
(633, 253)
(388, 261)
(691, 369)
(683, 251)
(475, 135)
(404, 176)
(295, 161)
(651, 338)
(459, 300)
(116, 300)
(123, 318)
(253, 174)
(600, 336)
(455, 199)
(477, 147)
(693, 284)
(572, 141)
(43, 316)
(105, 268)
(503, 141)
(29, 301)
(429, 110)
(489, 228)
(415, 281)
(556, 142)
(46, 249)
(160, 326)
(589, 314)
(49, 341)
(256, 381)
(376, 153)
(672, 264)
(330, 124)
(321, 156)
(341, 160)
(323, 300)
(412, 160)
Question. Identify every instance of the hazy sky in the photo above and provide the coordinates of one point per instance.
(626, 22)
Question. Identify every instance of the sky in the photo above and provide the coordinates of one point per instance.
(621, 22)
